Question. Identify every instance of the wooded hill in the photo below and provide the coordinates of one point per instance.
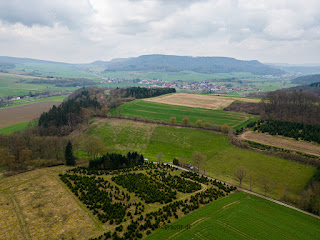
(171, 63)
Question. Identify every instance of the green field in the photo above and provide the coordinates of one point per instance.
(11, 85)
(14, 128)
(288, 178)
(28, 101)
(242, 216)
(162, 112)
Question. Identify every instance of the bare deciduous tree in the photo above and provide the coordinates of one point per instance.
(159, 156)
(267, 184)
(198, 159)
(239, 174)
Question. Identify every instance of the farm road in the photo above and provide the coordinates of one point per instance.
(256, 194)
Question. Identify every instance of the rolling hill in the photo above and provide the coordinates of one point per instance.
(171, 63)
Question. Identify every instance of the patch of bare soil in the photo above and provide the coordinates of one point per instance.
(282, 142)
(198, 101)
(24, 113)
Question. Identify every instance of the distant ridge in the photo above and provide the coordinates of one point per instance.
(15, 60)
(172, 63)
(168, 63)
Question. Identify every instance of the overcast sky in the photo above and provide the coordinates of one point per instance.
(77, 31)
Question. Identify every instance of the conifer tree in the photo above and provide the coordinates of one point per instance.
(70, 158)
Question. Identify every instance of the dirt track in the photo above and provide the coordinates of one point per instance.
(199, 101)
(24, 113)
(282, 142)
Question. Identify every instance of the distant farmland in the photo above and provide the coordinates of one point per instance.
(242, 216)
(163, 112)
(199, 101)
(23, 113)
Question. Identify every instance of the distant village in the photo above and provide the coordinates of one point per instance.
(205, 86)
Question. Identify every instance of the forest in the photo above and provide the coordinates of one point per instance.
(113, 161)
(295, 106)
(138, 92)
(289, 129)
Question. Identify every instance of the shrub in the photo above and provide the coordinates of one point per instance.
(176, 162)
(199, 123)
(173, 121)
(185, 121)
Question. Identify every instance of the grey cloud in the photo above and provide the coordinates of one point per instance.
(45, 12)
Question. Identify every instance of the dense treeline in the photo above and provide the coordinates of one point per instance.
(310, 197)
(65, 117)
(142, 92)
(289, 129)
(113, 161)
(20, 151)
(295, 106)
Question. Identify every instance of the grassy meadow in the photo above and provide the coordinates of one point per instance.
(242, 216)
(19, 127)
(162, 112)
(288, 178)
(28, 101)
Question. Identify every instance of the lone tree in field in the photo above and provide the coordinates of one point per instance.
(198, 159)
(173, 121)
(70, 158)
(159, 156)
(185, 121)
(239, 174)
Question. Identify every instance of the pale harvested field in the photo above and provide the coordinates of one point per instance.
(282, 142)
(24, 113)
(199, 101)
(37, 205)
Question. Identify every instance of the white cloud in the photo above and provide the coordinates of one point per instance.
(87, 30)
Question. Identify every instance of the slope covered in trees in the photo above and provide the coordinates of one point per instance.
(171, 63)
(306, 79)
(293, 106)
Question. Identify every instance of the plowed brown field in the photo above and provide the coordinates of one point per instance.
(24, 113)
(282, 142)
